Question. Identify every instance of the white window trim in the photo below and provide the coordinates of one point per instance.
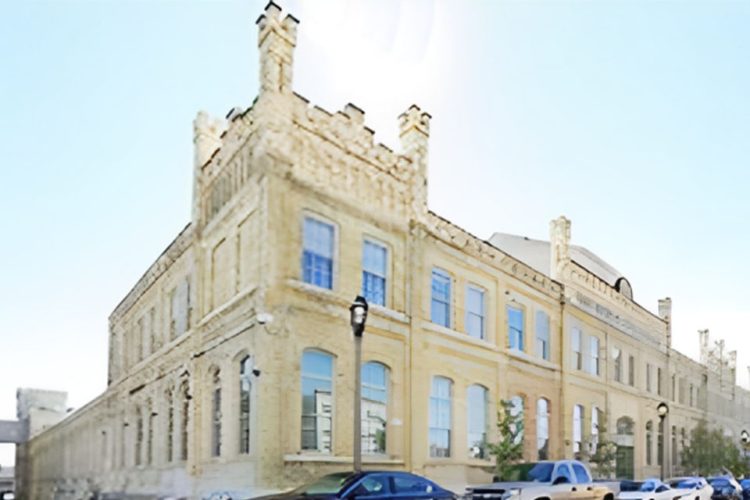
(306, 213)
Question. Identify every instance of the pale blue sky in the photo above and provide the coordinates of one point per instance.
(631, 118)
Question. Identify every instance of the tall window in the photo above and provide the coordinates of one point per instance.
(184, 421)
(617, 358)
(440, 310)
(516, 410)
(660, 443)
(476, 400)
(317, 402)
(648, 376)
(576, 348)
(374, 407)
(440, 417)
(179, 303)
(542, 335)
(150, 433)
(246, 386)
(649, 439)
(216, 415)
(631, 370)
(674, 446)
(659, 390)
(542, 429)
(169, 396)
(374, 267)
(475, 311)
(594, 355)
(138, 435)
(317, 253)
(515, 327)
(594, 429)
(577, 430)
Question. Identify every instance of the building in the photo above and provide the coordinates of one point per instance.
(231, 359)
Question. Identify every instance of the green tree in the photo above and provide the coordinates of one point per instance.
(711, 452)
(600, 453)
(509, 448)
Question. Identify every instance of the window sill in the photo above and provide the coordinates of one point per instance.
(338, 459)
(455, 334)
(522, 356)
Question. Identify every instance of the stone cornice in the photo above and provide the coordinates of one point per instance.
(446, 231)
(175, 249)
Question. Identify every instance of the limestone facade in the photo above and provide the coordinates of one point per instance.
(206, 369)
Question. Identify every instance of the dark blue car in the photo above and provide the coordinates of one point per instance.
(373, 485)
(745, 483)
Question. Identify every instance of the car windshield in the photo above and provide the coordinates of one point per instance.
(630, 486)
(648, 486)
(536, 471)
(327, 485)
(684, 483)
(719, 482)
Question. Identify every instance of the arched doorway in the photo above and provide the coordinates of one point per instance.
(625, 441)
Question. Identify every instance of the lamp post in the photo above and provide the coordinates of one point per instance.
(662, 410)
(358, 316)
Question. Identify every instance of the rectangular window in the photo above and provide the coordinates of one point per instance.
(575, 340)
(374, 266)
(475, 311)
(440, 417)
(577, 431)
(180, 309)
(617, 359)
(658, 381)
(317, 253)
(515, 328)
(440, 311)
(648, 377)
(542, 335)
(594, 356)
(317, 401)
(631, 371)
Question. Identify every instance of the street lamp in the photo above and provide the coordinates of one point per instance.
(662, 410)
(745, 437)
(358, 317)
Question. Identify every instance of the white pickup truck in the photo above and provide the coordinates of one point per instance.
(547, 480)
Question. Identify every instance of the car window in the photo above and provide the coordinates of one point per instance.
(582, 476)
(412, 484)
(563, 475)
(662, 488)
(371, 486)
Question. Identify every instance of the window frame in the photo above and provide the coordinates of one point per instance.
(303, 415)
(441, 273)
(317, 218)
(485, 415)
(244, 418)
(546, 342)
(472, 287)
(437, 398)
(594, 358)
(521, 333)
(386, 388)
(577, 347)
(386, 270)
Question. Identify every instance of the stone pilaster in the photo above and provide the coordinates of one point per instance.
(276, 41)
(559, 252)
(414, 131)
(206, 140)
(665, 313)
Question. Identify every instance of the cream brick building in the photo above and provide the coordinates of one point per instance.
(230, 363)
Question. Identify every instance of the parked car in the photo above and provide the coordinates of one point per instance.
(561, 480)
(375, 485)
(745, 485)
(698, 485)
(725, 488)
(651, 489)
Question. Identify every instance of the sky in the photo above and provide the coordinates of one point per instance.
(631, 118)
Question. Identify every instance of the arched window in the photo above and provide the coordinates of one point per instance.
(151, 413)
(542, 428)
(625, 426)
(216, 414)
(440, 417)
(476, 401)
(660, 443)
(317, 401)
(649, 439)
(374, 407)
(577, 430)
(184, 420)
(516, 410)
(675, 455)
(246, 385)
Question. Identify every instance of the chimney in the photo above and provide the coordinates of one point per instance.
(276, 41)
(206, 140)
(559, 241)
(414, 132)
(665, 313)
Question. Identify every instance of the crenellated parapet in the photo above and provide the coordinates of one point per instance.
(277, 38)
